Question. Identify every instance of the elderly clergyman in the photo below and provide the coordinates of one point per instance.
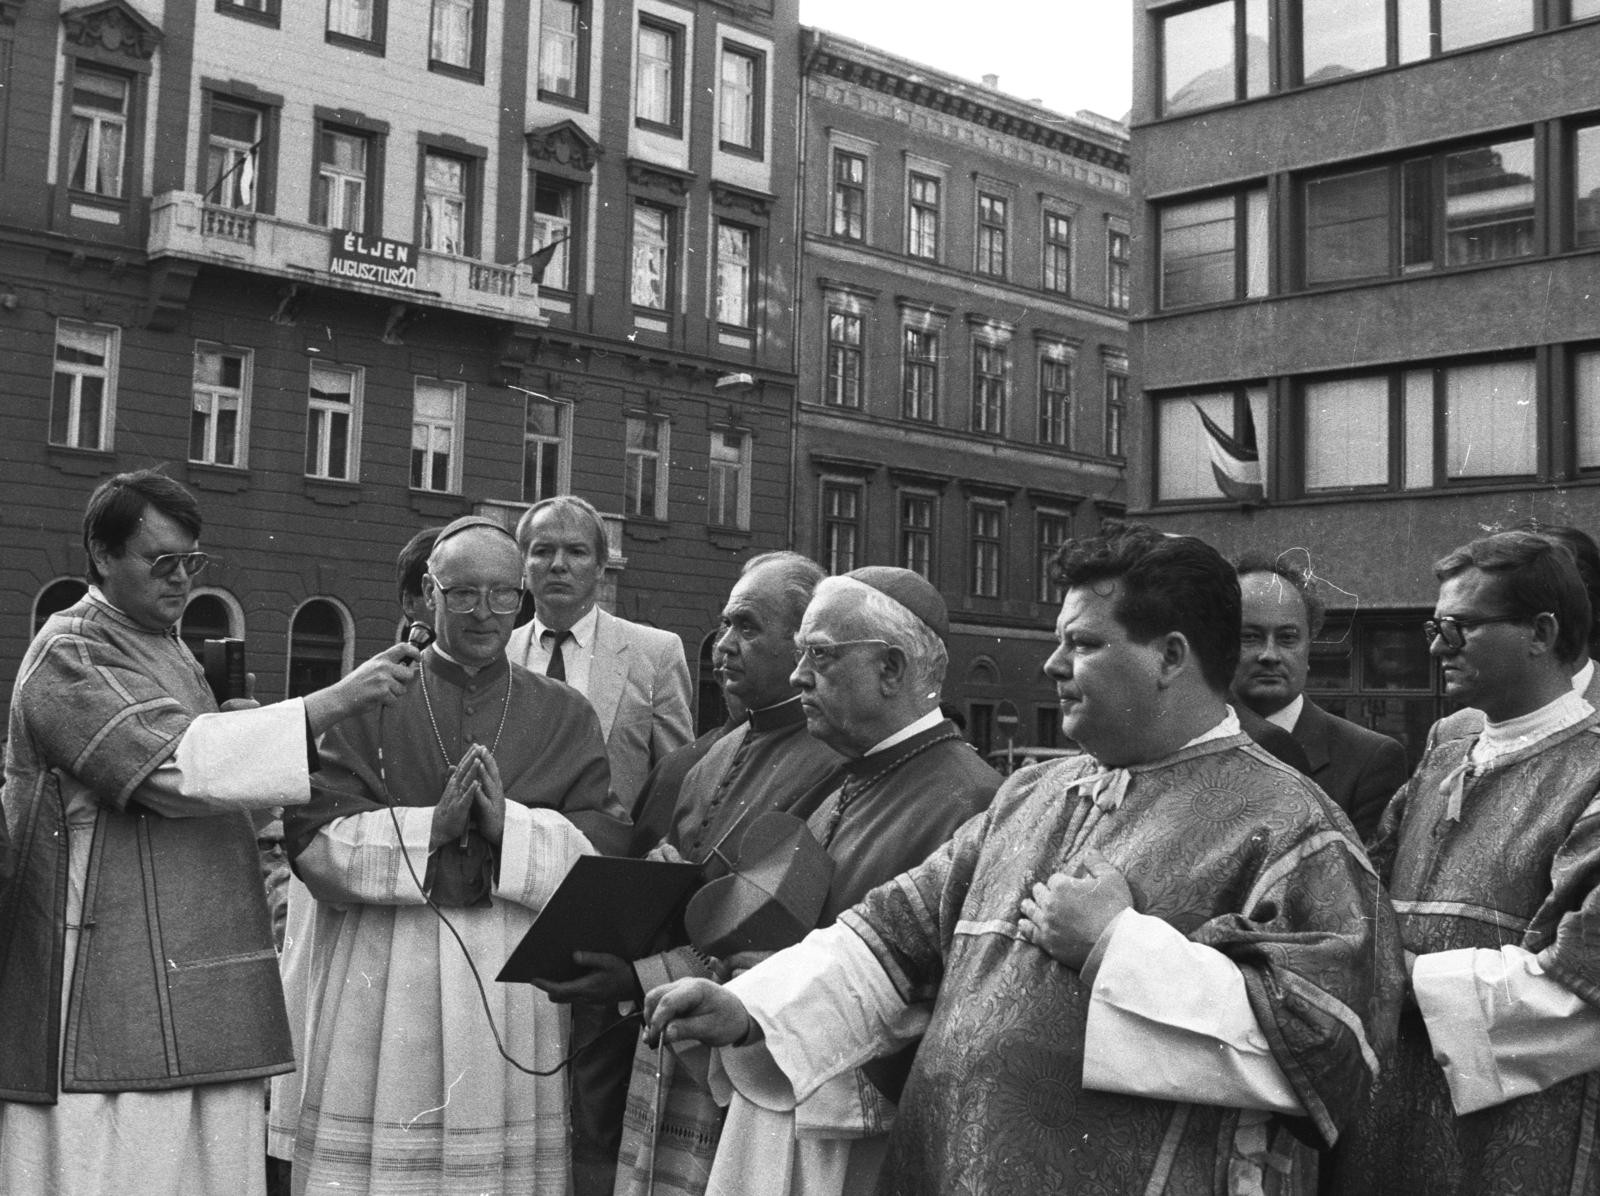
(1134, 966)
(484, 783)
(872, 660)
(138, 979)
(1491, 854)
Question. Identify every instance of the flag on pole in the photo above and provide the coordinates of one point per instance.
(1235, 463)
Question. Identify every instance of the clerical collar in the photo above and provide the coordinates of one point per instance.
(452, 670)
(1228, 726)
(1289, 715)
(96, 593)
(775, 718)
(1501, 739)
(582, 631)
(926, 723)
(1582, 678)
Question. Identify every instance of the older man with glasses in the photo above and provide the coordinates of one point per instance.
(137, 969)
(1491, 853)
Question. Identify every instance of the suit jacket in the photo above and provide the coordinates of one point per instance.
(1360, 769)
(639, 687)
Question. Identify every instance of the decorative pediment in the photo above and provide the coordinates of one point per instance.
(757, 203)
(659, 178)
(113, 27)
(564, 144)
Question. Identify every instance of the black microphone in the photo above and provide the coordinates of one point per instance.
(419, 635)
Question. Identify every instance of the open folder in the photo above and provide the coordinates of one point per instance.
(606, 904)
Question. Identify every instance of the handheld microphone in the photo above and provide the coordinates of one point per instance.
(419, 635)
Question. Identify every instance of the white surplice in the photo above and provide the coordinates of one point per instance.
(196, 1141)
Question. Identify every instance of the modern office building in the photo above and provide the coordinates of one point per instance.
(963, 289)
(284, 255)
(1369, 249)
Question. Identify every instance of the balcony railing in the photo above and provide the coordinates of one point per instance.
(183, 225)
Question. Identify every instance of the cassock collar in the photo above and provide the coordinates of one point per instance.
(776, 718)
(891, 757)
(98, 597)
(447, 670)
(915, 727)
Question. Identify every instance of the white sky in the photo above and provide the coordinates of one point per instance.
(1069, 54)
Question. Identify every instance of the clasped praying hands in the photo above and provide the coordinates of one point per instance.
(474, 789)
(1067, 914)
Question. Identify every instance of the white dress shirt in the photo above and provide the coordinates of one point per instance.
(577, 652)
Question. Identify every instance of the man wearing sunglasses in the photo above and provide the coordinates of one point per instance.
(1491, 855)
(133, 920)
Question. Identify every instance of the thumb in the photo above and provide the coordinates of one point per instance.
(1093, 865)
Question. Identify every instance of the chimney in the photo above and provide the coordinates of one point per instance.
(992, 82)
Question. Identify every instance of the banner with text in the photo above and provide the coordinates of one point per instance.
(376, 260)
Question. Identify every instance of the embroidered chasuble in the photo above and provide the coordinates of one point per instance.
(402, 1089)
(1232, 856)
(1492, 865)
(766, 763)
(137, 969)
(882, 815)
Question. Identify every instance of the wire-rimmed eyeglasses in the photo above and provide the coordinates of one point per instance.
(463, 600)
(168, 563)
(821, 654)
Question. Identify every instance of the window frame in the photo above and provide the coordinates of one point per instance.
(934, 210)
(477, 29)
(471, 159)
(1238, 395)
(906, 529)
(840, 190)
(1241, 55)
(267, 108)
(669, 273)
(270, 13)
(125, 123)
(241, 432)
(1046, 592)
(914, 367)
(375, 45)
(1119, 268)
(454, 468)
(986, 230)
(752, 273)
(562, 440)
(372, 198)
(1115, 392)
(580, 97)
(1049, 361)
(845, 351)
(673, 126)
(757, 57)
(353, 433)
(983, 381)
(1051, 246)
(741, 521)
(632, 482)
(1241, 246)
(1393, 52)
(108, 371)
(977, 540)
(829, 523)
(572, 255)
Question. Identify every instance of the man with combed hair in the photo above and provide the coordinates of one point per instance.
(480, 789)
(1134, 966)
(1491, 853)
(138, 977)
(1358, 768)
(637, 680)
(871, 664)
(767, 763)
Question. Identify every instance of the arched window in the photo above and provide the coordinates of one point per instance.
(318, 646)
(712, 709)
(56, 597)
(205, 618)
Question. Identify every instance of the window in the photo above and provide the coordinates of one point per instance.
(55, 598)
(453, 41)
(849, 196)
(1375, 670)
(1456, 208)
(921, 363)
(234, 143)
(444, 203)
(1057, 254)
(1055, 402)
(1047, 726)
(841, 527)
(988, 523)
(1055, 529)
(1116, 412)
(656, 88)
(1586, 403)
(333, 409)
(916, 533)
(220, 414)
(1586, 180)
(1346, 36)
(553, 206)
(546, 444)
(339, 199)
(1473, 421)
(652, 255)
(922, 230)
(1214, 250)
(988, 388)
(207, 617)
(99, 149)
(1581, 10)
(436, 415)
(1184, 469)
(563, 49)
(844, 360)
(1119, 259)
(264, 11)
(317, 647)
(735, 261)
(1214, 54)
(728, 483)
(83, 393)
(358, 20)
(739, 106)
(646, 481)
(991, 235)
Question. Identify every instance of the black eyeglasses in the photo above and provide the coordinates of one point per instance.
(1453, 631)
(168, 563)
(463, 600)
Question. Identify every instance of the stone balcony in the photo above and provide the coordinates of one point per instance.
(182, 225)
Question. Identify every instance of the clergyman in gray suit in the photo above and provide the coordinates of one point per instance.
(637, 680)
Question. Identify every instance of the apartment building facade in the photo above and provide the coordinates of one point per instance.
(283, 252)
(1368, 237)
(961, 353)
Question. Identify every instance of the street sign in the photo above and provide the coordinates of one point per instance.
(1007, 718)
